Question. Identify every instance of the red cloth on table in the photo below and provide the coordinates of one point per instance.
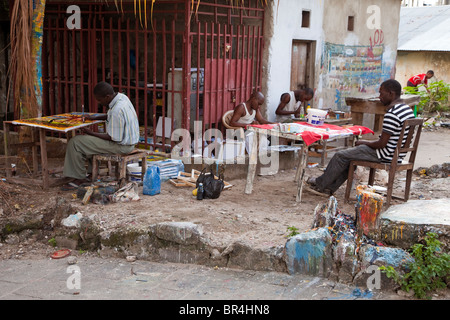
(310, 137)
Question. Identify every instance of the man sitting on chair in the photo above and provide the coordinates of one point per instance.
(291, 103)
(122, 133)
(248, 112)
(381, 150)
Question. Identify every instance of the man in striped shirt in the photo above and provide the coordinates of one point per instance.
(122, 133)
(381, 150)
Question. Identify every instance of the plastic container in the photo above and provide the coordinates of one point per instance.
(316, 116)
(152, 181)
(200, 191)
(134, 170)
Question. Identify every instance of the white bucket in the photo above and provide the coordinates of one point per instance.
(316, 116)
(134, 170)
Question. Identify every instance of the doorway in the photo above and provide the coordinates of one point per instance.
(302, 64)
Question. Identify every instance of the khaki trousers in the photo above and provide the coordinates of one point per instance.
(82, 148)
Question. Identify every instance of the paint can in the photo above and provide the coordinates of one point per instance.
(316, 116)
(368, 210)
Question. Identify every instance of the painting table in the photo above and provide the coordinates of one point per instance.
(63, 123)
(303, 133)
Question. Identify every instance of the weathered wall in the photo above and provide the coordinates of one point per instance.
(354, 63)
(283, 25)
(410, 63)
(347, 63)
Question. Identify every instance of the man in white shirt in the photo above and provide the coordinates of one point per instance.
(291, 103)
(249, 112)
(122, 133)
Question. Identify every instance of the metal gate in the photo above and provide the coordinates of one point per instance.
(185, 66)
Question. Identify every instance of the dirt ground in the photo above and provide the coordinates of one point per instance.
(261, 219)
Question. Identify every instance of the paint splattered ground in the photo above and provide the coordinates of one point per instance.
(261, 219)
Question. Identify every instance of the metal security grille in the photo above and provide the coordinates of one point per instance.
(185, 66)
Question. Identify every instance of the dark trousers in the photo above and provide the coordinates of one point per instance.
(337, 170)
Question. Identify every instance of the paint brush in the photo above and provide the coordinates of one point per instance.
(82, 112)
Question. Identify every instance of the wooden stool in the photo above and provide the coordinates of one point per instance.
(121, 163)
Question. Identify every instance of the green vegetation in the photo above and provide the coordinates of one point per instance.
(52, 242)
(292, 231)
(429, 271)
(435, 99)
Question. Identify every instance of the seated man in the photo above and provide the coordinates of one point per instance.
(122, 133)
(291, 104)
(248, 112)
(381, 150)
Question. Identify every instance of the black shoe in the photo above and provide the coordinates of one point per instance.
(317, 191)
(311, 181)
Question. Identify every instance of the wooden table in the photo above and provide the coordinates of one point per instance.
(322, 148)
(66, 123)
(303, 138)
(372, 105)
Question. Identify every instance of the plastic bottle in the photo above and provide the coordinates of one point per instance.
(200, 191)
(307, 108)
(152, 181)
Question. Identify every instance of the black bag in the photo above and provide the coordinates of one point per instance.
(211, 187)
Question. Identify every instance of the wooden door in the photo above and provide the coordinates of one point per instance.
(301, 64)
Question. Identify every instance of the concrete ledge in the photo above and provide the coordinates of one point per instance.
(406, 224)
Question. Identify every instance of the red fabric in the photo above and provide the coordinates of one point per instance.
(309, 137)
(419, 79)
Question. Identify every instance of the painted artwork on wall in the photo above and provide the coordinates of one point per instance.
(353, 70)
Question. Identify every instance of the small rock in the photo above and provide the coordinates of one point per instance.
(12, 239)
(72, 260)
(215, 254)
(405, 294)
(131, 258)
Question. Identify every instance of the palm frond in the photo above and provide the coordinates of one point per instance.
(23, 75)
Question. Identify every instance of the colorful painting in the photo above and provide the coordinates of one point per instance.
(61, 122)
(353, 70)
(36, 45)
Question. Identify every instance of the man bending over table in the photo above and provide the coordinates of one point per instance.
(122, 133)
(381, 150)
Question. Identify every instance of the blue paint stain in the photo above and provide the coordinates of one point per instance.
(357, 293)
(308, 253)
(390, 256)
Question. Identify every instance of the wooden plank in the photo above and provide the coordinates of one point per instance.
(44, 163)
(253, 160)
(368, 107)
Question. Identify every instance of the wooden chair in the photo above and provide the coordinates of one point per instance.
(411, 144)
(226, 118)
(121, 163)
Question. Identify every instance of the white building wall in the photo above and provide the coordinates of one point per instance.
(283, 25)
(347, 63)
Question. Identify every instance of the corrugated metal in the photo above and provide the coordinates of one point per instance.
(424, 29)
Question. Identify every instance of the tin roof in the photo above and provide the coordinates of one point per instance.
(424, 29)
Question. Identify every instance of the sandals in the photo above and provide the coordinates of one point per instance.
(69, 186)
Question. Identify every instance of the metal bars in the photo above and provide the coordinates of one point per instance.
(217, 50)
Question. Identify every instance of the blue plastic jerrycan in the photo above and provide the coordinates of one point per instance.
(152, 181)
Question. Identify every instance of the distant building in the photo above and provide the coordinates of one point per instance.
(424, 3)
(423, 43)
(339, 53)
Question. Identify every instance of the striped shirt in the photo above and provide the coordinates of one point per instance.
(392, 124)
(122, 123)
